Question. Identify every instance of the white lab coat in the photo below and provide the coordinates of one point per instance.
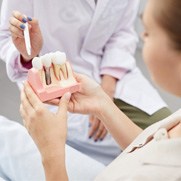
(94, 38)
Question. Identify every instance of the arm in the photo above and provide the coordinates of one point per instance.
(48, 130)
(91, 99)
(12, 44)
(120, 48)
(117, 61)
(118, 124)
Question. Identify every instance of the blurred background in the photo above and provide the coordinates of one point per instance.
(9, 93)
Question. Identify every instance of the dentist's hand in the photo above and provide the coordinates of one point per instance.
(17, 27)
(97, 129)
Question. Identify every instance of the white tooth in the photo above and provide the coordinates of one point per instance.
(70, 73)
(46, 60)
(59, 60)
(37, 64)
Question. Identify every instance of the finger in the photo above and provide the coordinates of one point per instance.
(19, 16)
(78, 76)
(32, 97)
(23, 115)
(63, 105)
(91, 119)
(103, 135)
(99, 132)
(94, 126)
(26, 106)
(54, 102)
(34, 24)
(18, 24)
(15, 32)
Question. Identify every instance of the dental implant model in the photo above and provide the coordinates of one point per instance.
(52, 76)
(59, 64)
(47, 62)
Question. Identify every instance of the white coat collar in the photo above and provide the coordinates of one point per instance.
(147, 134)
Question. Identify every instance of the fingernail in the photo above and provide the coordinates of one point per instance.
(89, 125)
(101, 139)
(22, 26)
(29, 19)
(90, 137)
(95, 140)
(24, 20)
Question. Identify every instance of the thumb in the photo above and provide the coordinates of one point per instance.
(63, 104)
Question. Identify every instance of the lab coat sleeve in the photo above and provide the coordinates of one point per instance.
(120, 48)
(8, 51)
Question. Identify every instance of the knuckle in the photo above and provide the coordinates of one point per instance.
(11, 20)
(39, 111)
(32, 116)
(16, 14)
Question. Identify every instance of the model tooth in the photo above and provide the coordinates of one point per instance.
(47, 62)
(37, 64)
(59, 60)
(70, 73)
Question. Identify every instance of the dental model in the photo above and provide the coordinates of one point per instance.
(51, 76)
(37, 64)
(59, 64)
(47, 62)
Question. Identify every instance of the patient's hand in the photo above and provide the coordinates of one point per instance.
(48, 130)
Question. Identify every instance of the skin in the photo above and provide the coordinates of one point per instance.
(46, 143)
(18, 38)
(97, 130)
(162, 60)
(159, 56)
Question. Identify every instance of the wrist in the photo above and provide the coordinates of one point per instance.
(54, 165)
(50, 152)
(26, 63)
(104, 102)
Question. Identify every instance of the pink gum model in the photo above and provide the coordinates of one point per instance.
(49, 92)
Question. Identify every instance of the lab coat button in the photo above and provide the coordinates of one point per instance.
(161, 134)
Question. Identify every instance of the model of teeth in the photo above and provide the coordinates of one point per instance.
(71, 80)
(47, 62)
(59, 65)
(37, 64)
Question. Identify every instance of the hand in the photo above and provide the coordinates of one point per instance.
(97, 129)
(88, 99)
(17, 27)
(48, 130)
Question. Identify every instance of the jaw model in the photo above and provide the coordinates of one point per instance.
(52, 76)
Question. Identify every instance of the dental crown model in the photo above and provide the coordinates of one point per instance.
(52, 76)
